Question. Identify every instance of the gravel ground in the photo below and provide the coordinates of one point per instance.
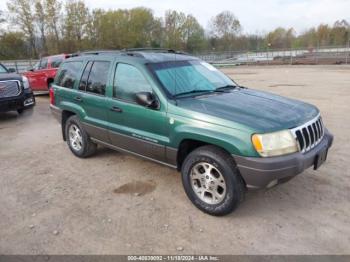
(54, 203)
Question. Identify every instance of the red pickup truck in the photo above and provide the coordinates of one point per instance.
(43, 73)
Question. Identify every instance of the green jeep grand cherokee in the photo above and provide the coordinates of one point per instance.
(177, 110)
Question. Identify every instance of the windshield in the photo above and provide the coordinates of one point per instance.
(2, 69)
(188, 77)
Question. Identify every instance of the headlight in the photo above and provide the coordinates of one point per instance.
(25, 82)
(275, 144)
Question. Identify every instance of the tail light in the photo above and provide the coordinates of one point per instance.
(52, 96)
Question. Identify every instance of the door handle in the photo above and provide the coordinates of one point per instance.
(78, 99)
(116, 109)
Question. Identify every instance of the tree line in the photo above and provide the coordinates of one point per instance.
(29, 29)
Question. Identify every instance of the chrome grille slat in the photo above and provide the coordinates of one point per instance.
(304, 141)
(315, 131)
(307, 137)
(10, 88)
(309, 134)
(318, 128)
(312, 136)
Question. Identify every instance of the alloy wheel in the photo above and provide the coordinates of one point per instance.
(208, 183)
(75, 137)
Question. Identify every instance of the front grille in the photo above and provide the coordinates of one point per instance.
(309, 134)
(9, 88)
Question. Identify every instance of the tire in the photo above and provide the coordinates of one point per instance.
(20, 111)
(222, 185)
(80, 144)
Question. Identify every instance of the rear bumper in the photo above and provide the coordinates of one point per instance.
(263, 172)
(23, 101)
(56, 112)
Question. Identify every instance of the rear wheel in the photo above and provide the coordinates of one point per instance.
(77, 139)
(212, 181)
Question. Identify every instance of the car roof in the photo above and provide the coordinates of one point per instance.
(58, 55)
(138, 54)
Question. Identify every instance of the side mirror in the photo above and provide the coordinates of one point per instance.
(147, 99)
(11, 70)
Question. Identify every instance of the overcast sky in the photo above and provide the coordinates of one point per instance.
(256, 16)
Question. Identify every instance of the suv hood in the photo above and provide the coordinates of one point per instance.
(259, 110)
(10, 76)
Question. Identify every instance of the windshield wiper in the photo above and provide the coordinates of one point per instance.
(194, 92)
(221, 89)
(226, 87)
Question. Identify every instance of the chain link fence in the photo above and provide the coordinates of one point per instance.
(323, 55)
(19, 65)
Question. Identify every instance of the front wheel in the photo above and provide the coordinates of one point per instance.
(212, 181)
(77, 139)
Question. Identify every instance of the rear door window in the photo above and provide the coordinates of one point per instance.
(98, 77)
(85, 76)
(68, 74)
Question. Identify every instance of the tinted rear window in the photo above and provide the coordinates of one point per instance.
(56, 61)
(98, 78)
(68, 74)
(85, 76)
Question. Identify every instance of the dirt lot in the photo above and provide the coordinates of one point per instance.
(52, 202)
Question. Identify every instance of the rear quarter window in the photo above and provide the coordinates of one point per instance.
(68, 74)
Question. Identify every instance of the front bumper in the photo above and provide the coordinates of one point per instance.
(263, 172)
(25, 100)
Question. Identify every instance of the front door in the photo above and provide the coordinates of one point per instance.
(134, 127)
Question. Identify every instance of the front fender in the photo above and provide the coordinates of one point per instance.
(234, 141)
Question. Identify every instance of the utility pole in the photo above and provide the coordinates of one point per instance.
(267, 53)
(317, 51)
(347, 53)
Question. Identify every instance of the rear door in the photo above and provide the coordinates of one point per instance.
(67, 80)
(134, 127)
(92, 98)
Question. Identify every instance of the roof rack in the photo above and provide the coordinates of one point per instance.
(99, 52)
(129, 51)
(150, 49)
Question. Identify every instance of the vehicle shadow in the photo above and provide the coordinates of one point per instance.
(281, 198)
(105, 152)
(11, 116)
(257, 201)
